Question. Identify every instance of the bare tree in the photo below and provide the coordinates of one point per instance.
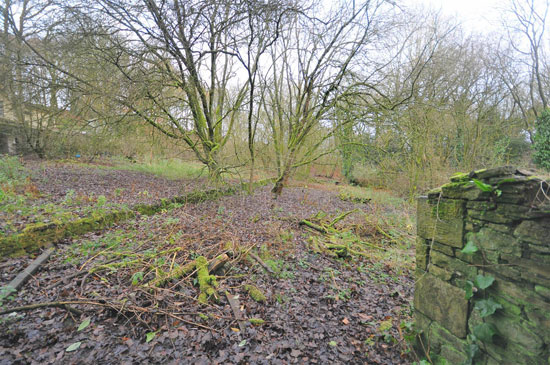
(261, 33)
(524, 60)
(308, 77)
(182, 64)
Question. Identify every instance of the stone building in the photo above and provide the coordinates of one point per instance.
(10, 134)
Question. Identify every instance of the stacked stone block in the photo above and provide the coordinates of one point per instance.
(510, 226)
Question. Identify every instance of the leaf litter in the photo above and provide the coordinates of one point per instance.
(318, 308)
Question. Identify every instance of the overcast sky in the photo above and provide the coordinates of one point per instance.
(479, 15)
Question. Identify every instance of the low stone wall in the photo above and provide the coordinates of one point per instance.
(482, 294)
(37, 235)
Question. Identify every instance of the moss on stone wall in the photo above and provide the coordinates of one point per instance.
(510, 230)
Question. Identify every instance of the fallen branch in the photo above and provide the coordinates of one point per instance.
(67, 279)
(64, 305)
(236, 308)
(23, 276)
(340, 217)
(305, 222)
(218, 263)
(261, 262)
(174, 274)
(118, 307)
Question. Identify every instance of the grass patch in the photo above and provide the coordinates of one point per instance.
(392, 217)
(375, 196)
(12, 173)
(169, 168)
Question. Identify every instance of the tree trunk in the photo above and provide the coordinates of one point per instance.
(251, 179)
(280, 183)
(214, 172)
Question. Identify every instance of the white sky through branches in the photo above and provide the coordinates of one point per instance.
(476, 15)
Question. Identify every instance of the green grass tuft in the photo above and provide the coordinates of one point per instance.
(170, 168)
(376, 196)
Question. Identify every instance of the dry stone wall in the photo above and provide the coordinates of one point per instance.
(482, 294)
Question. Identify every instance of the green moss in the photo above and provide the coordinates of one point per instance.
(37, 235)
(544, 291)
(37, 227)
(447, 209)
(434, 191)
(228, 246)
(64, 218)
(175, 274)
(537, 178)
(255, 293)
(460, 176)
(508, 307)
(256, 321)
(459, 185)
(207, 282)
(509, 180)
(146, 209)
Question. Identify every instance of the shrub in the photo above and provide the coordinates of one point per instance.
(541, 144)
(11, 170)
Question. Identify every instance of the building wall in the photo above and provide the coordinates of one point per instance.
(12, 136)
(6, 108)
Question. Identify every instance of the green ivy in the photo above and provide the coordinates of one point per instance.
(470, 248)
(483, 282)
(483, 332)
(486, 187)
(487, 307)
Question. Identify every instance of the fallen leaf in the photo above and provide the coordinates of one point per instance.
(74, 346)
(365, 317)
(149, 336)
(295, 353)
(345, 321)
(84, 324)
